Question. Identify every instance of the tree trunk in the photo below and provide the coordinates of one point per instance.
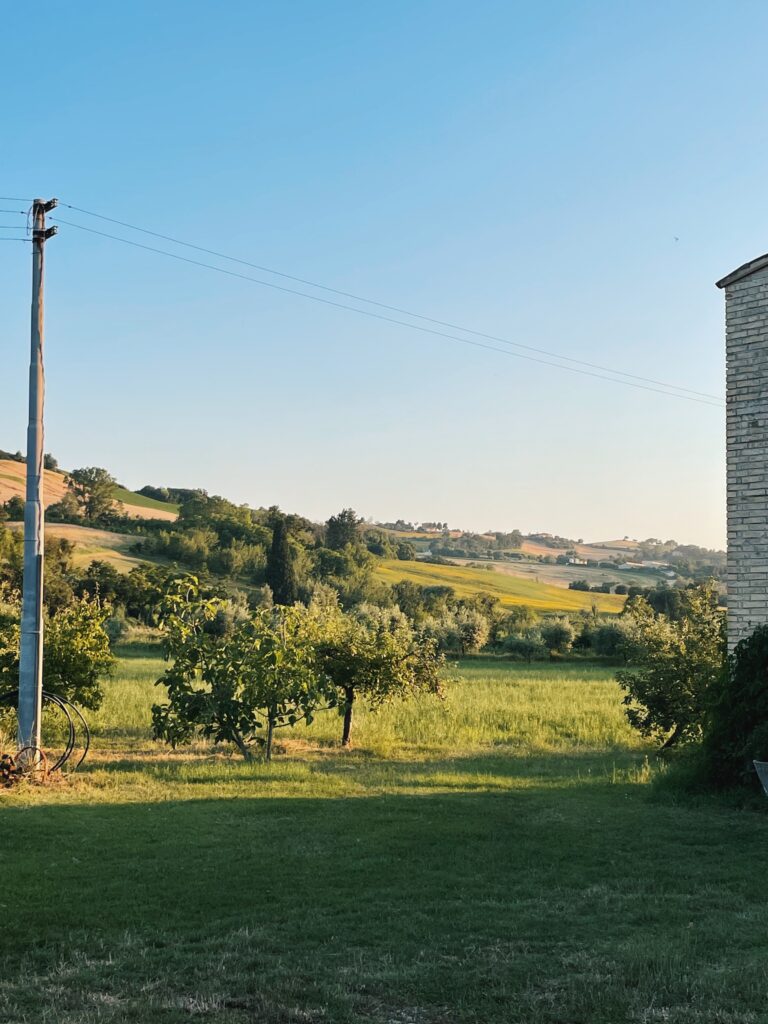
(349, 700)
(673, 737)
(242, 746)
(270, 734)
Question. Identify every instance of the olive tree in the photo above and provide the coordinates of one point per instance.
(557, 635)
(375, 655)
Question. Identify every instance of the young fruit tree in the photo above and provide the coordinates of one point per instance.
(673, 664)
(76, 650)
(242, 684)
(374, 654)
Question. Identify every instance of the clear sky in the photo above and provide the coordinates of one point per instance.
(570, 175)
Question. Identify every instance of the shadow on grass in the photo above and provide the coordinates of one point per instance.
(579, 905)
(488, 769)
(139, 650)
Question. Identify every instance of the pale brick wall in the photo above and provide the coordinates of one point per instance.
(746, 319)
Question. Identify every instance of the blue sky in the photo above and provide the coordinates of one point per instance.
(573, 176)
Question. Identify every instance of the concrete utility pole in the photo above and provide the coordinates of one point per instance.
(31, 661)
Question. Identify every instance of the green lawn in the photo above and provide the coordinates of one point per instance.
(497, 858)
(510, 590)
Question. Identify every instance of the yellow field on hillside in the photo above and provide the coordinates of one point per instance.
(510, 590)
(95, 545)
(598, 550)
(13, 477)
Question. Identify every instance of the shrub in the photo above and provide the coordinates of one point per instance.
(736, 729)
(675, 663)
(525, 647)
(65, 511)
(76, 652)
(14, 509)
(557, 635)
(609, 639)
(578, 585)
(116, 627)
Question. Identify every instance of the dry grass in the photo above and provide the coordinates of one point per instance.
(93, 545)
(13, 477)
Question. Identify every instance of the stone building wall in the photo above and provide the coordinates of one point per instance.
(746, 317)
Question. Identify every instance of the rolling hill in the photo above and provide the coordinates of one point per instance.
(116, 549)
(95, 545)
(12, 484)
(510, 590)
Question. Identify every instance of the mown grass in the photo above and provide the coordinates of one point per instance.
(510, 590)
(497, 858)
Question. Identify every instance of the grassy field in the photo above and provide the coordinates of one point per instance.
(13, 482)
(598, 550)
(141, 501)
(96, 545)
(494, 859)
(562, 575)
(510, 590)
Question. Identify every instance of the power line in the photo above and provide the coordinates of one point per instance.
(379, 316)
(22, 213)
(391, 308)
(13, 199)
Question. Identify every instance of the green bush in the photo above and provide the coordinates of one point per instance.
(76, 652)
(673, 664)
(736, 731)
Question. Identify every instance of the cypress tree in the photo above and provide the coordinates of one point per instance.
(281, 575)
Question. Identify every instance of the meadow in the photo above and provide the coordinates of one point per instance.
(510, 589)
(166, 509)
(12, 484)
(562, 575)
(498, 857)
(95, 545)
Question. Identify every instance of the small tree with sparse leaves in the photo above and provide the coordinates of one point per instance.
(374, 655)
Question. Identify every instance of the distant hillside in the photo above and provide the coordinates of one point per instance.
(137, 502)
(597, 550)
(547, 572)
(95, 545)
(510, 590)
(563, 562)
(137, 506)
